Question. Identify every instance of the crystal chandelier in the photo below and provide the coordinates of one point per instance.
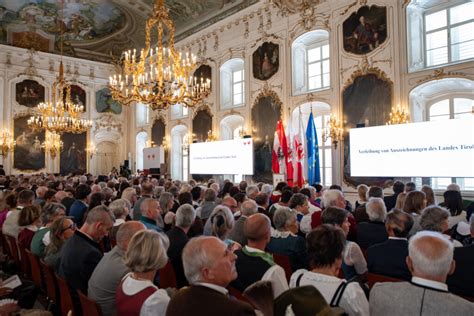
(398, 116)
(60, 115)
(333, 130)
(53, 144)
(158, 77)
(7, 143)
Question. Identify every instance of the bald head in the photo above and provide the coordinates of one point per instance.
(60, 195)
(126, 232)
(231, 203)
(257, 228)
(430, 256)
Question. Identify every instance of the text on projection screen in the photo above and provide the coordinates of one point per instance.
(442, 148)
(222, 157)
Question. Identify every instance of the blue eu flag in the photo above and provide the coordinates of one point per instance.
(314, 175)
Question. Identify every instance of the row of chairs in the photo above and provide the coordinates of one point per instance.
(54, 287)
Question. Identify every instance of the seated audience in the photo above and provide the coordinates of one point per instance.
(284, 201)
(391, 200)
(111, 269)
(348, 205)
(409, 187)
(10, 226)
(353, 261)
(430, 197)
(120, 208)
(185, 216)
(248, 208)
(79, 207)
(299, 203)
(10, 202)
(81, 253)
(262, 200)
(51, 212)
(147, 193)
(389, 257)
(151, 213)
(430, 261)
(40, 192)
(209, 266)
(252, 191)
(208, 205)
(285, 241)
(231, 203)
(454, 204)
(325, 249)
(253, 263)
(400, 203)
(373, 232)
(435, 218)
(360, 214)
(30, 221)
(461, 282)
(362, 190)
(61, 230)
(136, 294)
(222, 223)
(415, 203)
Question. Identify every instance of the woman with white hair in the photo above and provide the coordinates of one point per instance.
(136, 293)
(222, 222)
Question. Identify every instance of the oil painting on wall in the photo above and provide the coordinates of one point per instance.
(105, 103)
(29, 93)
(202, 124)
(265, 114)
(73, 158)
(158, 132)
(28, 154)
(78, 96)
(265, 61)
(365, 30)
(367, 101)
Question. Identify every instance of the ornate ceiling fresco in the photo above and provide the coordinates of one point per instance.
(98, 29)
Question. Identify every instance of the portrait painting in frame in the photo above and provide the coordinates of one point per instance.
(73, 157)
(28, 154)
(365, 30)
(266, 112)
(158, 132)
(265, 61)
(367, 101)
(29, 93)
(78, 96)
(202, 124)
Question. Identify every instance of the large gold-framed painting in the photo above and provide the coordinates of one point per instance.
(28, 154)
(73, 158)
(29, 93)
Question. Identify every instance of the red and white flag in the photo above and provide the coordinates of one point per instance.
(280, 150)
(299, 154)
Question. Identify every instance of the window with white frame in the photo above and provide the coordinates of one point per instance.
(179, 153)
(141, 114)
(451, 108)
(179, 111)
(232, 79)
(311, 62)
(439, 33)
(444, 99)
(321, 112)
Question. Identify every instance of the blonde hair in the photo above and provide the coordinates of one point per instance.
(146, 251)
(401, 200)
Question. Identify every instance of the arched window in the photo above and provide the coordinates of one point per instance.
(232, 89)
(141, 140)
(439, 33)
(311, 62)
(230, 128)
(444, 99)
(179, 152)
(142, 114)
(321, 112)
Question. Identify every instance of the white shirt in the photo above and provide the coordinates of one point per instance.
(274, 274)
(353, 300)
(155, 304)
(119, 221)
(353, 256)
(430, 283)
(214, 287)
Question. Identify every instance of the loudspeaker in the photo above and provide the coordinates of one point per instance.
(125, 163)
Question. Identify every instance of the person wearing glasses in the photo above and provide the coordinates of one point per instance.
(60, 231)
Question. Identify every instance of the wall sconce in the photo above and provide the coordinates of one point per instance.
(91, 150)
(53, 144)
(333, 130)
(150, 143)
(210, 136)
(243, 133)
(7, 143)
(165, 143)
(398, 116)
(187, 140)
